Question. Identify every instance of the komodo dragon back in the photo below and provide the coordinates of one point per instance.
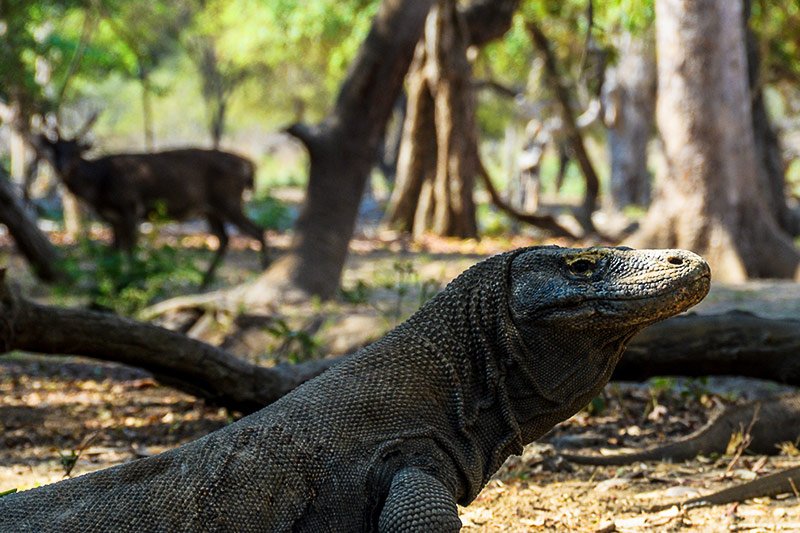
(391, 438)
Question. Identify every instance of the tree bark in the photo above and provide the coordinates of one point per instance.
(34, 245)
(174, 360)
(449, 79)
(710, 200)
(629, 97)
(438, 164)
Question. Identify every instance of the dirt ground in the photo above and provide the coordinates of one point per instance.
(68, 416)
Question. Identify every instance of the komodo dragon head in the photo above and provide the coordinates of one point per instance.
(574, 310)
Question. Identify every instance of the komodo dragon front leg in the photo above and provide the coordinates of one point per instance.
(418, 501)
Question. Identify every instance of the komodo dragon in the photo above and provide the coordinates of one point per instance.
(768, 422)
(392, 437)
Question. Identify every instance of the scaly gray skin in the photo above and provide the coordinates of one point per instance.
(768, 422)
(393, 436)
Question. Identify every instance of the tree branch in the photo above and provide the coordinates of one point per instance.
(545, 222)
(574, 138)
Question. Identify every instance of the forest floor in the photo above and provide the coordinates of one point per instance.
(68, 416)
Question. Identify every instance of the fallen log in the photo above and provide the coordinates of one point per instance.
(736, 343)
(173, 359)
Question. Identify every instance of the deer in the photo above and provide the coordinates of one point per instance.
(123, 189)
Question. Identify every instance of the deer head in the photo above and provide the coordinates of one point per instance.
(64, 152)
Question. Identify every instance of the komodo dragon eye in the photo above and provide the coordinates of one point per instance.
(583, 267)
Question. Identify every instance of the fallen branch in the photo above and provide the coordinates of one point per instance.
(175, 360)
(546, 222)
(783, 482)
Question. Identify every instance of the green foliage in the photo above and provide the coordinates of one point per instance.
(597, 406)
(125, 284)
(7, 492)
(359, 294)
(270, 213)
(295, 345)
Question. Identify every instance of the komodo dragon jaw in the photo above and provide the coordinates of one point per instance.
(390, 438)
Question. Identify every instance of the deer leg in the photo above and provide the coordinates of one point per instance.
(217, 227)
(253, 230)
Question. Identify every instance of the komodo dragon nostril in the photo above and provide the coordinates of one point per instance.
(674, 260)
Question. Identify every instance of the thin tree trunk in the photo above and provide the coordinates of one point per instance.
(34, 245)
(147, 110)
(710, 200)
(767, 144)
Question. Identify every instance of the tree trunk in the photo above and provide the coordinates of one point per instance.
(416, 162)
(629, 97)
(767, 144)
(438, 163)
(342, 151)
(710, 200)
(147, 109)
(174, 360)
(33, 244)
(437, 166)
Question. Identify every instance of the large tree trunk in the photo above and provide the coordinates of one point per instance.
(33, 244)
(343, 147)
(438, 162)
(342, 152)
(710, 200)
(629, 98)
(444, 204)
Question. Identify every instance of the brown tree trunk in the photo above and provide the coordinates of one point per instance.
(436, 168)
(438, 164)
(174, 360)
(629, 97)
(710, 200)
(449, 79)
(342, 151)
(33, 244)
(416, 163)
(767, 144)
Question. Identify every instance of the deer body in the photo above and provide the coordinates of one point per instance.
(125, 188)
